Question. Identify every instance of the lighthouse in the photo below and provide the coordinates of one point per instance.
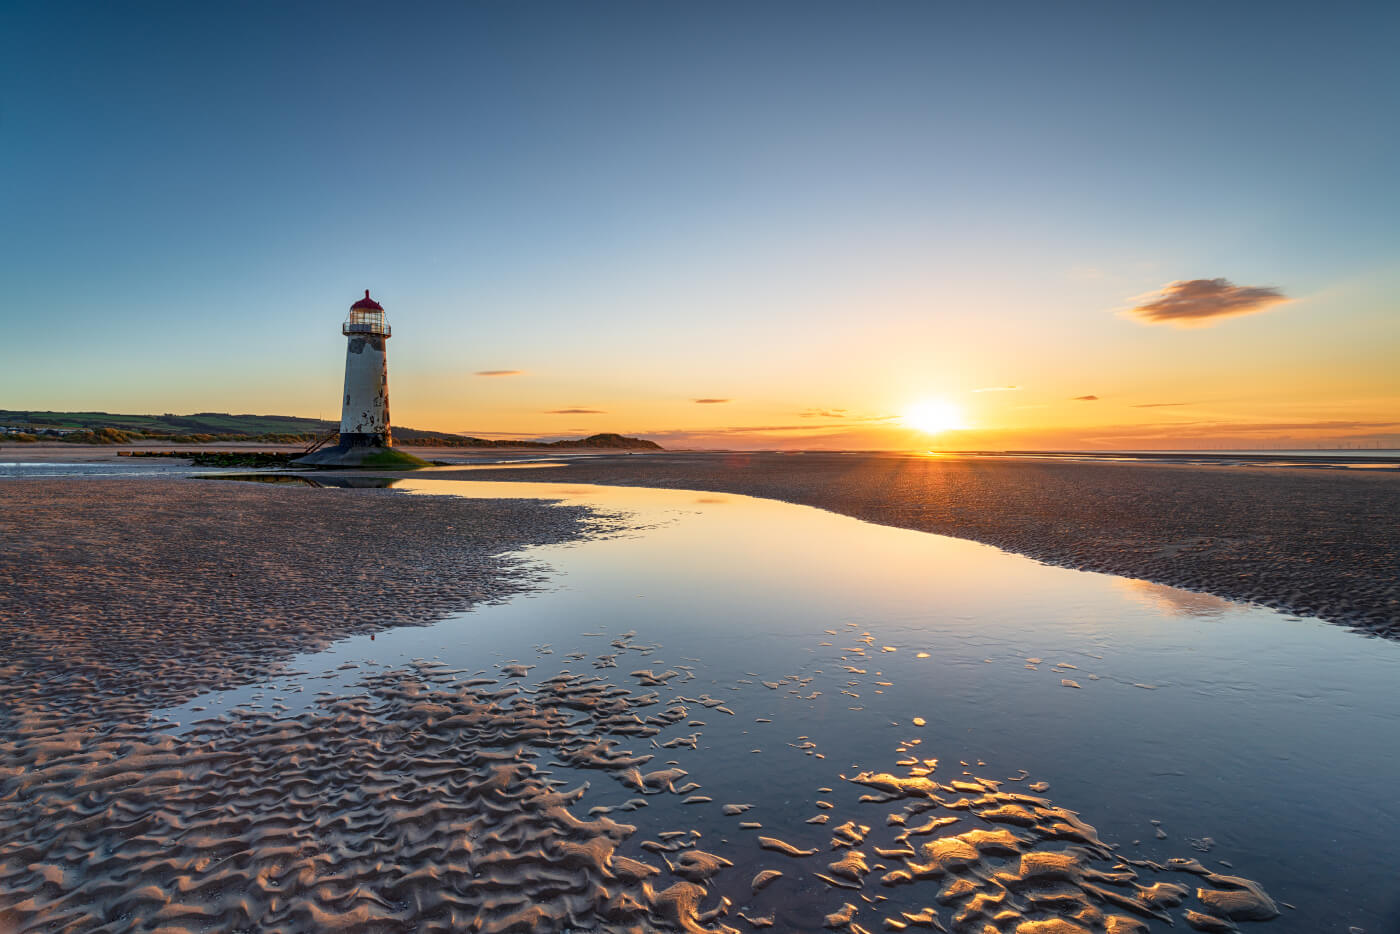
(364, 413)
(365, 438)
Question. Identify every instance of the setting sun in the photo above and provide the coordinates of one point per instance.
(934, 416)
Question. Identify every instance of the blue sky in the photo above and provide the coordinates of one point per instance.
(791, 205)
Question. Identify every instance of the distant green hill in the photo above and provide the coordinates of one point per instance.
(201, 423)
(209, 427)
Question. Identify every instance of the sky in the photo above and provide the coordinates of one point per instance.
(725, 224)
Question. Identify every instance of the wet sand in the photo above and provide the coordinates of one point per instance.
(125, 594)
(1313, 542)
(437, 799)
(426, 803)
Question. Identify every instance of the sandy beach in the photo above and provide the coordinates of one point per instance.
(1321, 543)
(434, 798)
(122, 596)
(126, 594)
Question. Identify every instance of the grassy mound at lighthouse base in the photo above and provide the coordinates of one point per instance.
(378, 458)
(390, 457)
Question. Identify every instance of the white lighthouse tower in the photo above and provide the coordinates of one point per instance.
(364, 415)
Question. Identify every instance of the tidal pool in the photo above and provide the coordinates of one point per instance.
(811, 648)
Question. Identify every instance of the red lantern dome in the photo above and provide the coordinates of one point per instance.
(367, 304)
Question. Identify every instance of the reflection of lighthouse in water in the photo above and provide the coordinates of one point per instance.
(364, 418)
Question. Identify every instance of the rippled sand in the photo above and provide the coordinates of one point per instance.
(419, 802)
(530, 796)
(427, 801)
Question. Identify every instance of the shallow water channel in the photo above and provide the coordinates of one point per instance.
(1177, 724)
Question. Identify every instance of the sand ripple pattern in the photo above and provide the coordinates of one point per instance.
(1008, 861)
(415, 805)
(427, 801)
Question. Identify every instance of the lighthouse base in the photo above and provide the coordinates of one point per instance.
(352, 454)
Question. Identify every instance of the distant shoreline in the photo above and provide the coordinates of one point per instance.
(62, 452)
(1299, 458)
(1383, 458)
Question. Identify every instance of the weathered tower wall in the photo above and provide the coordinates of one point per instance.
(364, 418)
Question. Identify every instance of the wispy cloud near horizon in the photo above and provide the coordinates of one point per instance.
(575, 412)
(709, 401)
(499, 372)
(1085, 399)
(1202, 302)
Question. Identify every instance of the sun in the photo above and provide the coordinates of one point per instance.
(934, 416)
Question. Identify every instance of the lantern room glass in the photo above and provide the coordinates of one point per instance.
(365, 321)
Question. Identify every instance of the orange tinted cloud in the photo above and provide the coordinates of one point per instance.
(1196, 302)
(709, 401)
(1085, 399)
(575, 412)
(499, 372)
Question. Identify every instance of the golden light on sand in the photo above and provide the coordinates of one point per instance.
(934, 416)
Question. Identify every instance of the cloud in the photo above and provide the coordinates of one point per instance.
(824, 413)
(575, 412)
(998, 389)
(708, 401)
(499, 372)
(1157, 405)
(1085, 399)
(1200, 302)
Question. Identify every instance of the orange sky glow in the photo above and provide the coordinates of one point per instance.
(708, 235)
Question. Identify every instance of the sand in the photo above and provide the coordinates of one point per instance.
(425, 801)
(429, 798)
(123, 596)
(416, 805)
(1312, 542)
(127, 594)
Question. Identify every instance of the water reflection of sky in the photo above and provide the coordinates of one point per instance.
(41, 469)
(1279, 738)
(1173, 600)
